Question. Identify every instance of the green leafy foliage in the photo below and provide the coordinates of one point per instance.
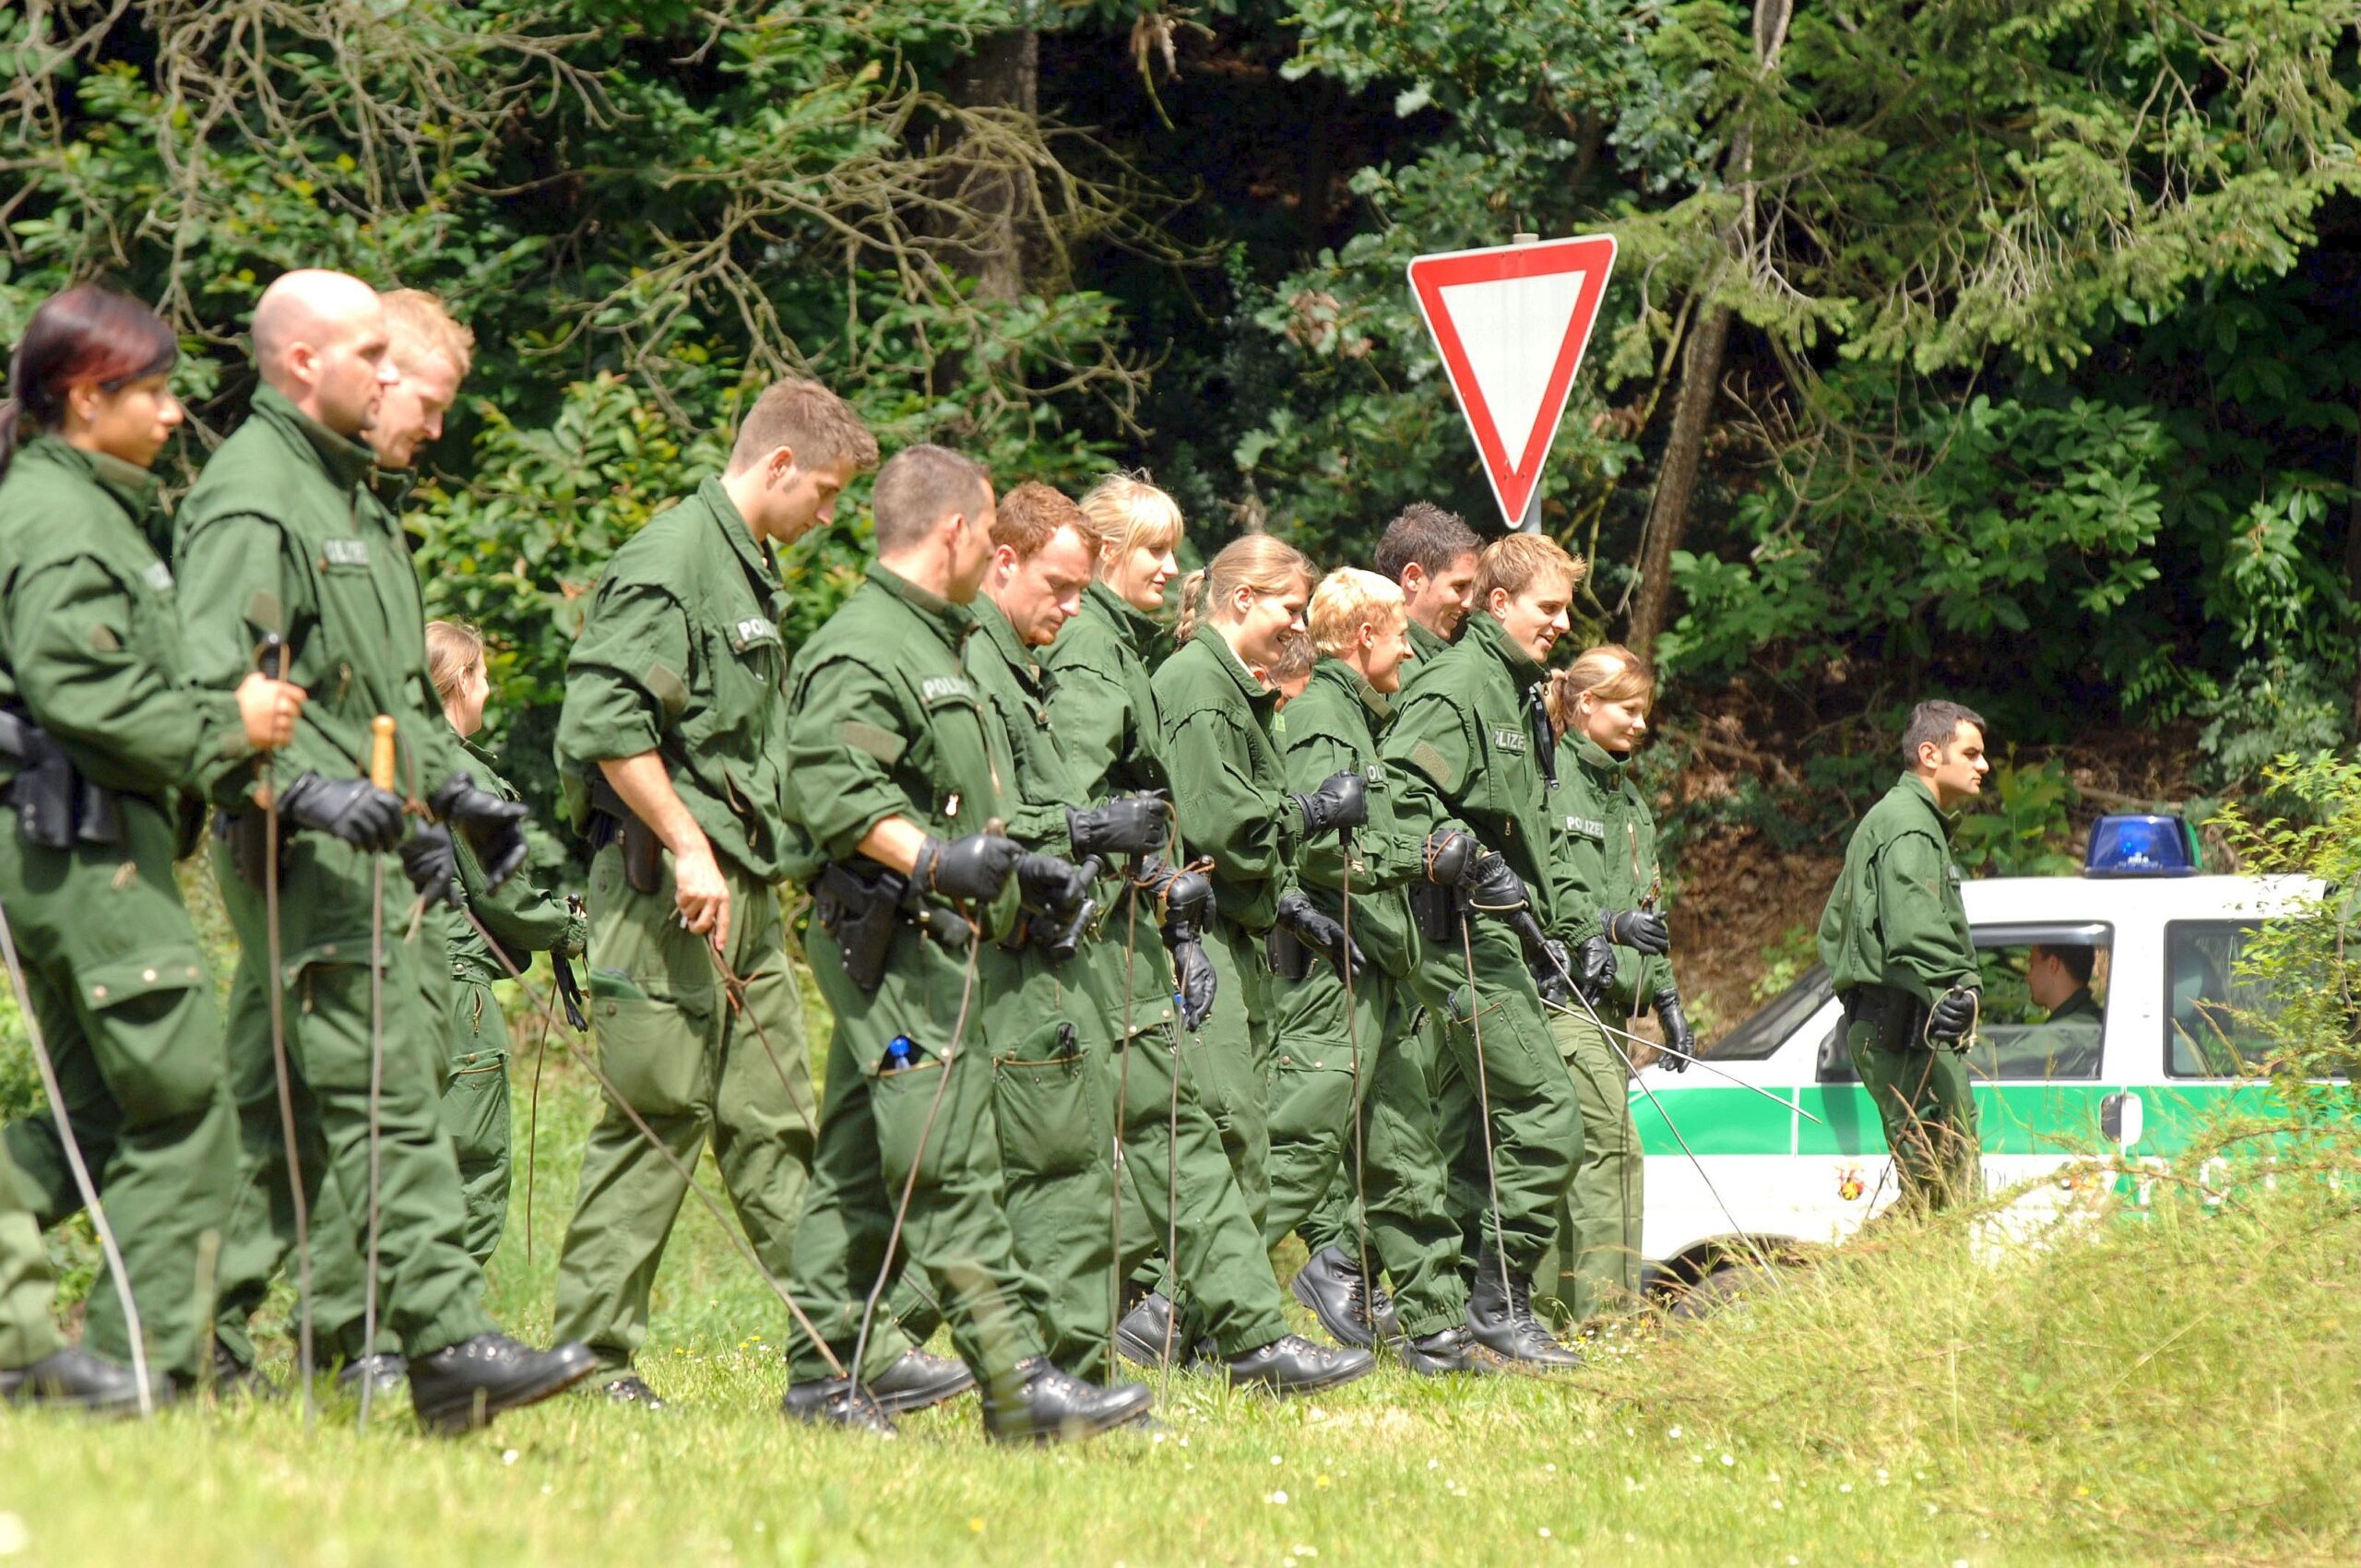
(2025, 831)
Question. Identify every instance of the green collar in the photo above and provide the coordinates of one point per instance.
(130, 486)
(1484, 629)
(1262, 698)
(1595, 759)
(951, 622)
(1345, 678)
(346, 461)
(753, 553)
(1137, 629)
(995, 626)
(1424, 642)
(1924, 793)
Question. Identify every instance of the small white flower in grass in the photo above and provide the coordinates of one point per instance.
(1434, 1464)
(1844, 1486)
(13, 1537)
(1545, 1532)
(1774, 1478)
(1932, 1510)
(1275, 1458)
(509, 1455)
(1279, 1497)
(1727, 1461)
(1551, 1468)
(1776, 1504)
(1673, 1434)
(1881, 1478)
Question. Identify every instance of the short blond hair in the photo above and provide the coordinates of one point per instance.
(1511, 563)
(1346, 599)
(453, 647)
(421, 328)
(810, 420)
(1123, 512)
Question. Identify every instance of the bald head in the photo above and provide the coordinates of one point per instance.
(320, 340)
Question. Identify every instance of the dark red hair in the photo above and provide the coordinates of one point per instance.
(87, 334)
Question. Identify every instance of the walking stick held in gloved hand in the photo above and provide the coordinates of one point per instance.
(270, 657)
(381, 774)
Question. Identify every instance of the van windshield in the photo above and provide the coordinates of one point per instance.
(1770, 1025)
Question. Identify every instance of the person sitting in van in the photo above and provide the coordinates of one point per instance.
(2057, 978)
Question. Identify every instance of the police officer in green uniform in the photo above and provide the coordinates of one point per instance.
(1463, 743)
(37, 1367)
(100, 727)
(1613, 884)
(282, 538)
(524, 920)
(1398, 1173)
(901, 789)
(1180, 1190)
(1429, 554)
(670, 748)
(1894, 936)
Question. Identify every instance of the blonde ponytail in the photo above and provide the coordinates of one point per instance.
(1184, 620)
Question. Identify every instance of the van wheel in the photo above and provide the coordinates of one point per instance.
(1718, 1287)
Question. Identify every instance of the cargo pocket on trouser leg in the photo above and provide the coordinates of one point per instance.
(475, 1111)
(651, 1047)
(1051, 1107)
(153, 1032)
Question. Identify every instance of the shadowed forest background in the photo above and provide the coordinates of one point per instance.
(2001, 350)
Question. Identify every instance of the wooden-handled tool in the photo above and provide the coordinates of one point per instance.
(381, 751)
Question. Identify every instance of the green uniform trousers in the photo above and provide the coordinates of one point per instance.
(1928, 1113)
(126, 1005)
(877, 1127)
(1594, 1266)
(1405, 1205)
(693, 1067)
(1230, 1058)
(1054, 1109)
(1535, 1129)
(27, 1288)
(1181, 1194)
(429, 1292)
(476, 1108)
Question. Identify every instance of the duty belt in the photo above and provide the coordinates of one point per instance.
(56, 807)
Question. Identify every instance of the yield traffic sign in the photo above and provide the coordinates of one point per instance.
(1510, 323)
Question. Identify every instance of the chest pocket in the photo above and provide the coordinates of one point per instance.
(958, 771)
(359, 630)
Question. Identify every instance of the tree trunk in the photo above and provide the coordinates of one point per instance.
(1004, 72)
(2353, 567)
(1684, 454)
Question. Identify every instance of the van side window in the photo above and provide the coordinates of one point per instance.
(2045, 1004)
(2209, 1005)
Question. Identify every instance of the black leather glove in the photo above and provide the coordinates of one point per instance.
(1342, 801)
(432, 863)
(1638, 929)
(1196, 982)
(495, 828)
(1677, 1032)
(1492, 887)
(1051, 886)
(569, 991)
(351, 809)
(1594, 968)
(1320, 933)
(1953, 1015)
(1131, 824)
(1181, 898)
(1448, 856)
(1553, 967)
(974, 867)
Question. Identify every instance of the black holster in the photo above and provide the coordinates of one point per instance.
(56, 807)
(613, 822)
(1288, 957)
(247, 836)
(860, 906)
(1898, 1018)
(1435, 911)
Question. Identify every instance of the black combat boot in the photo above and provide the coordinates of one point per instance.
(1293, 1365)
(384, 1369)
(234, 1379)
(920, 1381)
(835, 1402)
(1342, 1297)
(1038, 1403)
(631, 1389)
(1445, 1351)
(1500, 1314)
(1148, 1335)
(464, 1386)
(74, 1379)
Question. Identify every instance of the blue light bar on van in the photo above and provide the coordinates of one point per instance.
(2142, 846)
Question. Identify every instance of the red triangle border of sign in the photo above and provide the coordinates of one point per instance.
(1429, 275)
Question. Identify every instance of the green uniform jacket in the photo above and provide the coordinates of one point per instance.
(681, 655)
(1230, 791)
(91, 643)
(1607, 849)
(1042, 783)
(1334, 727)
(1102, 706)
(1101, 700)
(1895, 916)
(1460, 731)
(1425, 650)
(2081, 1007)
(281, 533)
(884, 721)
(521, 917)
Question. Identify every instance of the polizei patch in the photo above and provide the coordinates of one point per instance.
(1510, 737)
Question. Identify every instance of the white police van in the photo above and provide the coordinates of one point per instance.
(1783, 1145)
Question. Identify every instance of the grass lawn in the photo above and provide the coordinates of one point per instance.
(2180, 1388)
